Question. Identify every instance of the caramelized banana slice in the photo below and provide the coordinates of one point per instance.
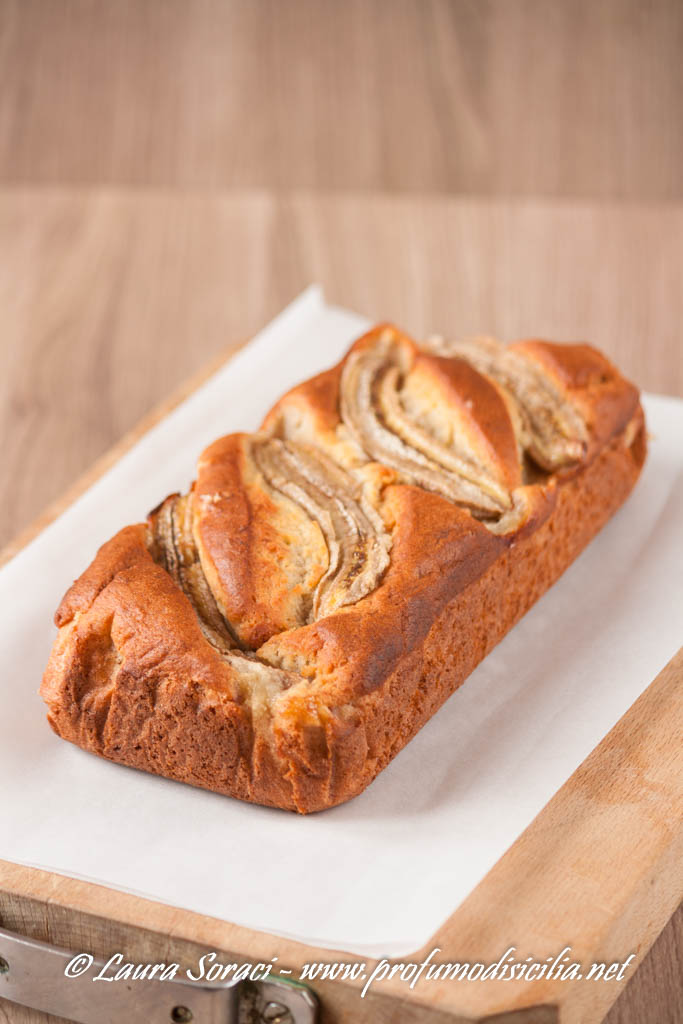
(454, 461)
(171, 526)
(174, 548)
(357, 543)
(372, 412)
(552, 430)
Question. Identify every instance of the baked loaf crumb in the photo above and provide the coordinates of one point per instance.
(282, 631)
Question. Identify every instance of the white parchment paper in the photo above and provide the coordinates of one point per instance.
(380, 874)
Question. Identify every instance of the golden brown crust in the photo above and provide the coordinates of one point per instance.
(261, 554)
(324, 703)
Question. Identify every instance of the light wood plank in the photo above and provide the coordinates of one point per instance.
(511, 97)
(655, 993)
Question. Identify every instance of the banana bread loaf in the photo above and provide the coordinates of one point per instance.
(282, 631)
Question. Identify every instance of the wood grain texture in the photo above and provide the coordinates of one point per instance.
(654, 995)
(110, 299)
(512, 97)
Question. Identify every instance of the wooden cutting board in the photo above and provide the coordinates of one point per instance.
(599, 870)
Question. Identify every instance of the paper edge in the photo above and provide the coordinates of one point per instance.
(303, 307)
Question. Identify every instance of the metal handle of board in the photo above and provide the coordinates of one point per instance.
(33, 974)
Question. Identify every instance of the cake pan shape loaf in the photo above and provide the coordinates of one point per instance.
(279, 633)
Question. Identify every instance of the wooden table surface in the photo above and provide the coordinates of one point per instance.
(172, 173)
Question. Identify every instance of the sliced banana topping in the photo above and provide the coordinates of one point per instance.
(174, 542)
(373, 414)
(357, 542)
(552, 430)
(382, 429)
(452, 458)
(175, 549)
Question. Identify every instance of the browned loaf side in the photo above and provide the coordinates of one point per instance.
(282, 631)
